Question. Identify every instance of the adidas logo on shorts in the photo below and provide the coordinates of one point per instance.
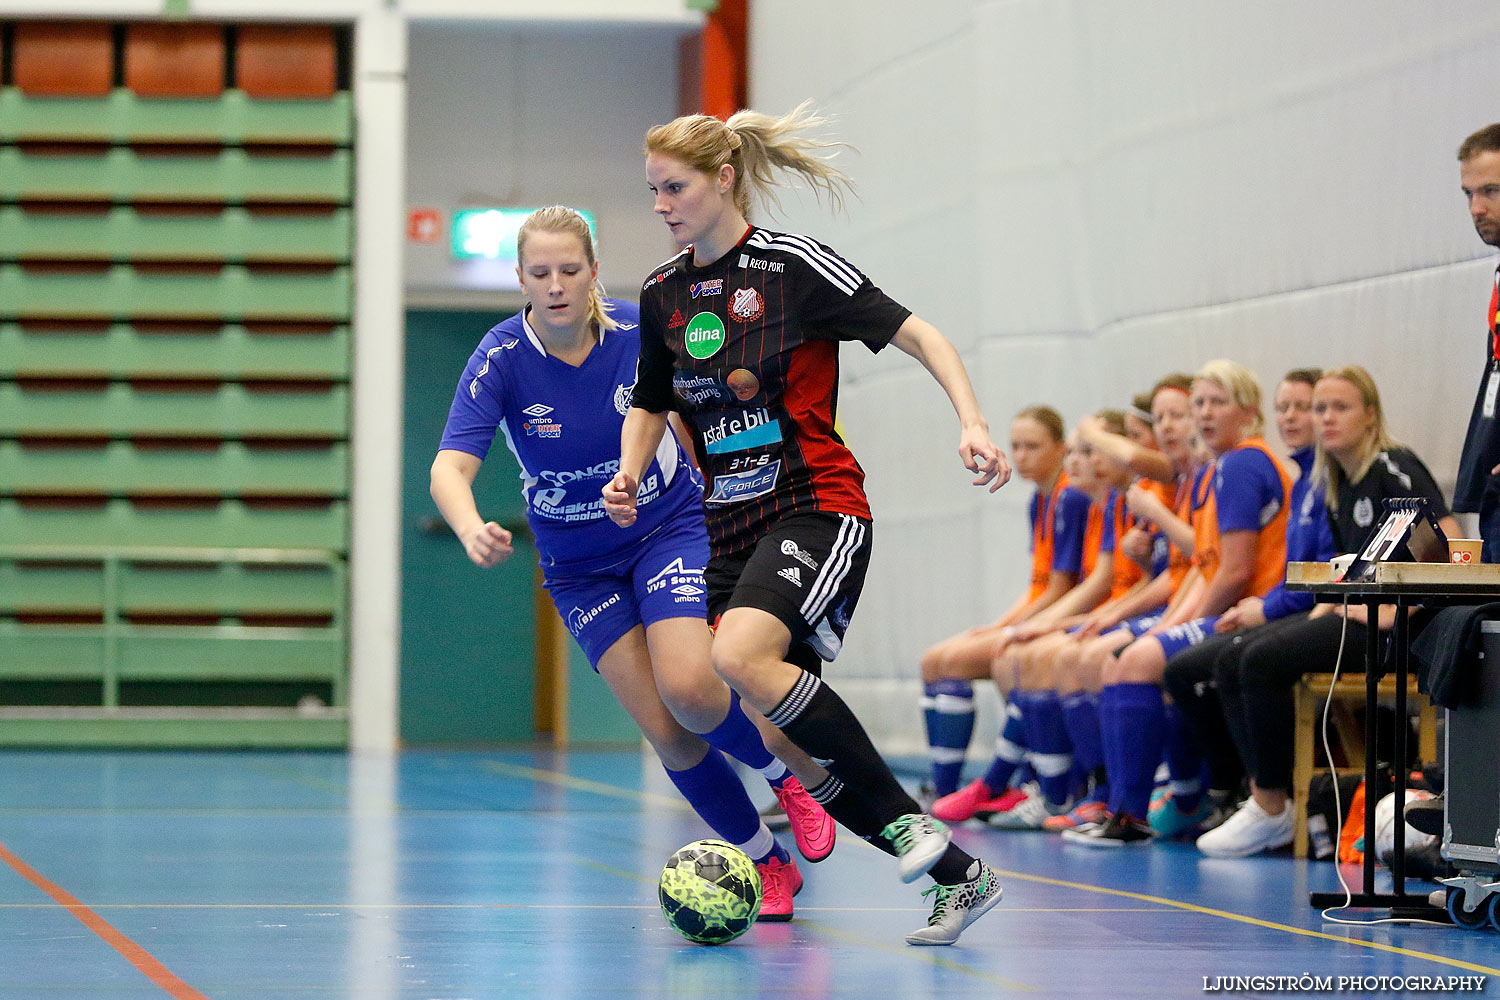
(791, 574)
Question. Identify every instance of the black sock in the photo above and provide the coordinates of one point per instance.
(816, 719)
(954, 866)
(850, 808)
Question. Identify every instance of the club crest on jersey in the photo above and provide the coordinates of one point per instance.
(676, 320)
(711, 286)
(746, 305)
(623, 395)
(704, 335)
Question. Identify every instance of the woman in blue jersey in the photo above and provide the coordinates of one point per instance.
(556, 381)
(740, 334)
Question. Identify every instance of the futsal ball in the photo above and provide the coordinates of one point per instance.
(710, 892)
(1385, 827)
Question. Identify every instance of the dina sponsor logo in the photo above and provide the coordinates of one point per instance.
(704, 335)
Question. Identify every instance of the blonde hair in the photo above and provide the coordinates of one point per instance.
(1242, 386)
(758, 147)
(561, 219)
(1329, 472)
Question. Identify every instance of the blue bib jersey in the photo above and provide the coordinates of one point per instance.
(562, 424)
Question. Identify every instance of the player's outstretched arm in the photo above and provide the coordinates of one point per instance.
(979, 453)
(639, 437)
(486, 543)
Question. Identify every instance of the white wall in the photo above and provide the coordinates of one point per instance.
(1085, 194)
(530, 116)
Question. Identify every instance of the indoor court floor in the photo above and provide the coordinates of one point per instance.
(459, 876)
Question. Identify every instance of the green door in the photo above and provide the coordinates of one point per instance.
(468, 646)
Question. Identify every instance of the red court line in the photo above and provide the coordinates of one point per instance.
(133, 953)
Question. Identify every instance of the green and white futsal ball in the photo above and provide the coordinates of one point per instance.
(710, 892)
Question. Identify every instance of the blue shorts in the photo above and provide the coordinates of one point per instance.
(1187, 635)
(1141, 624)
(662, 579)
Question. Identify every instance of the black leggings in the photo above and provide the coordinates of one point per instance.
(1255, 675)
(1189, 680)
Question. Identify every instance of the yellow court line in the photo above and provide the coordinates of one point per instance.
(584, 785)
(1256, 921)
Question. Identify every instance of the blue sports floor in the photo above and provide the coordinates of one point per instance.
(459, 876)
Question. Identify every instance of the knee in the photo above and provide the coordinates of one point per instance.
(677, 748)
(932, 665)
(1030, 672)
(735, 663)
(1065, 676)
(691, 696)
(1178, 680)
(1140, 663)
(1227, 674)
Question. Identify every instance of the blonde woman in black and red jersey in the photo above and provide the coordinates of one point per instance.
(740, 335)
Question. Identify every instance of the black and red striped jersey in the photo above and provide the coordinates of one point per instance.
(746, 349)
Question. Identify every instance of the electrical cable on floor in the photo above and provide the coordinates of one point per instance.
(1338, 806)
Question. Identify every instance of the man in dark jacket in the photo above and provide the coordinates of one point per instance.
(1479, 470)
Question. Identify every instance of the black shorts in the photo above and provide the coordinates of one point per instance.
(808, 571)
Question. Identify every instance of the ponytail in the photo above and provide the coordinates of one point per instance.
(758, 147)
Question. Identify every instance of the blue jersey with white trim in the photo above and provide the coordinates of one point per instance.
(562, 423)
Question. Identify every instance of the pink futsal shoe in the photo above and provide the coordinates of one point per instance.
(973, 800)
(812, 827)
(779, 882)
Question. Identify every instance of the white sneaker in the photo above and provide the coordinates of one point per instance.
(1251, 830)
(1030, 813)
(919, 841)
(957, 907)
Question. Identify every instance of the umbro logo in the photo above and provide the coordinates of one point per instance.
(676, 320)
(791, 574)
(537, 410)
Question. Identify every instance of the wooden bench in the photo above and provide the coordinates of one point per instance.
(1348, 695)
